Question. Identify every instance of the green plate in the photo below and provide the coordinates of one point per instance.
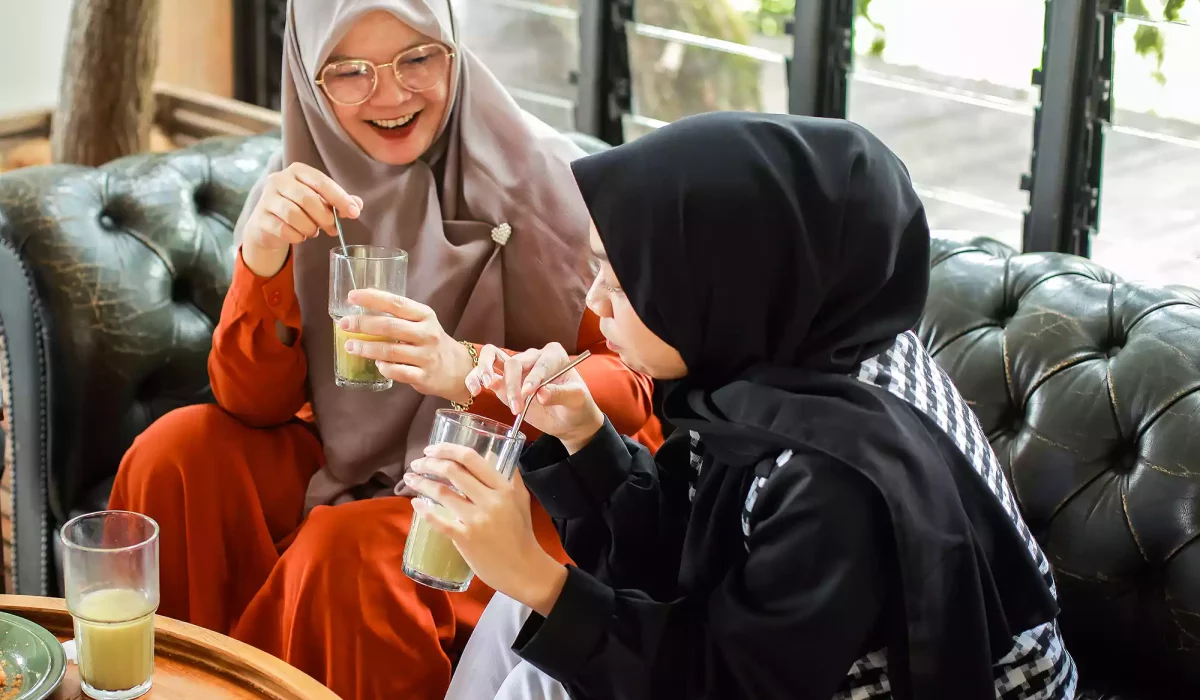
(30, 656)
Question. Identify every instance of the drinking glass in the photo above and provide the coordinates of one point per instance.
(110, 573)
(429, 556)
(361, 267)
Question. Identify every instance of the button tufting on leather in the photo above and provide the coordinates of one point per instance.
(202, 197)
(1125, 458)
(181, 289)
(107, 221)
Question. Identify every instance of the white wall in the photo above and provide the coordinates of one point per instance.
(32, 37)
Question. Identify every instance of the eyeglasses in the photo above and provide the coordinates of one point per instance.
(353, 81)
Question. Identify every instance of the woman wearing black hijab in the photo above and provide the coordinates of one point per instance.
(828, 521)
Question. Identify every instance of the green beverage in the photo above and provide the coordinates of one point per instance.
(355, 370)
(110, 583)
(358, 267)
(432, 555)
(431, 558)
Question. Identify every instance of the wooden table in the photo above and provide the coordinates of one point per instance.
(190, 662)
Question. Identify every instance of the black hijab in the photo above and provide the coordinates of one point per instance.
(776, 253)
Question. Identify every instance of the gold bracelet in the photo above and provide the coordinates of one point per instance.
(474, 363)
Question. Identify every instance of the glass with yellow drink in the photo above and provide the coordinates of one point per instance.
(361, 267)
(430, 557)
(110, 577)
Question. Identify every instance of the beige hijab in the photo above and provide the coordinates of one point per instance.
(499, 166)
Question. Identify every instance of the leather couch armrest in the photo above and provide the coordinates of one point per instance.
(24, 373)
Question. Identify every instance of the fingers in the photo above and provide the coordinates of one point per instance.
(492, 359)
(515, 368)
(518, 488)
(551, 359)
(448, 471)
(388, 303)
(441, 493)
(273, 225)
(486, 374)
(395, 353)
(308, 202)
(439, 519)
(405, 374)
(329, 190)
(292, 214)
(482, 471)
(400, 330)
(571, 395)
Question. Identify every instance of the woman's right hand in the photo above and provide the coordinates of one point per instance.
(564, 408)
(296, 204)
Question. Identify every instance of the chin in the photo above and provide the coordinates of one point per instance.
(633, 363)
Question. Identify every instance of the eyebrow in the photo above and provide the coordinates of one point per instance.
(343, 57)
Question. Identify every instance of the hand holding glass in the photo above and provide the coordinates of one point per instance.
(429, 556)
(110, 576)
(361, 267)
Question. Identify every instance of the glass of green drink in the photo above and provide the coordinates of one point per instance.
(430, 557)
(110, 582)
(361, 267)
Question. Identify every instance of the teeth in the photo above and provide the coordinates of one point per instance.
(393, 123)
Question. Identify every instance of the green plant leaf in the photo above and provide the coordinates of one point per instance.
(1149, 40)
(1171, 10)
(1137, 8)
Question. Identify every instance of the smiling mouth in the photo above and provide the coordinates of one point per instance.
(393, 123)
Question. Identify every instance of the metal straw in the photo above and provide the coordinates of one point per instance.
(516, 426)
(342, 239)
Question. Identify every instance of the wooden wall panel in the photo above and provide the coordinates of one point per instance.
(196, 45)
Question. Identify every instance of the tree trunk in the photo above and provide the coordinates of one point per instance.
(106, 102)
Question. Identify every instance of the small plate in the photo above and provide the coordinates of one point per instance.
(33, 659)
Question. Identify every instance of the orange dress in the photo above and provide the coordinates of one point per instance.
(325, 593)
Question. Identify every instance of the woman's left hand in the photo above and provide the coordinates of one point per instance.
(564, 409)
(421, 354)
(491, 524)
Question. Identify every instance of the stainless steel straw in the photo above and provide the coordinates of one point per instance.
(516, 426)
(337, 221)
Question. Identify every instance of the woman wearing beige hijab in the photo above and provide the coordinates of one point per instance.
(279, 521)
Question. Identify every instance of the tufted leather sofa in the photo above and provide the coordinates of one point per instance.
(1089, 388)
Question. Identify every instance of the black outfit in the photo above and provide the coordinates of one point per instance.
(778, 255)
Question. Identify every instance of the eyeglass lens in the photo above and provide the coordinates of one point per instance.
(354, 81)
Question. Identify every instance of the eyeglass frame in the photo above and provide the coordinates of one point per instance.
(375, 67)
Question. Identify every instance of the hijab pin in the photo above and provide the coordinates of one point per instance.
(501, 233)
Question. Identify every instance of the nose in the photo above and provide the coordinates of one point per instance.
(390, 91)
(597, 301)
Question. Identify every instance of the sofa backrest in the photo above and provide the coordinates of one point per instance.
(131, 262)
(1089, 390)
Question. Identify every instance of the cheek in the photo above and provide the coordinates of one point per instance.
(435, 103)
(347, 117)
(634, 334)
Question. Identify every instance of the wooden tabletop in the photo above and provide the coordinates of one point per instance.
(190, 662)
